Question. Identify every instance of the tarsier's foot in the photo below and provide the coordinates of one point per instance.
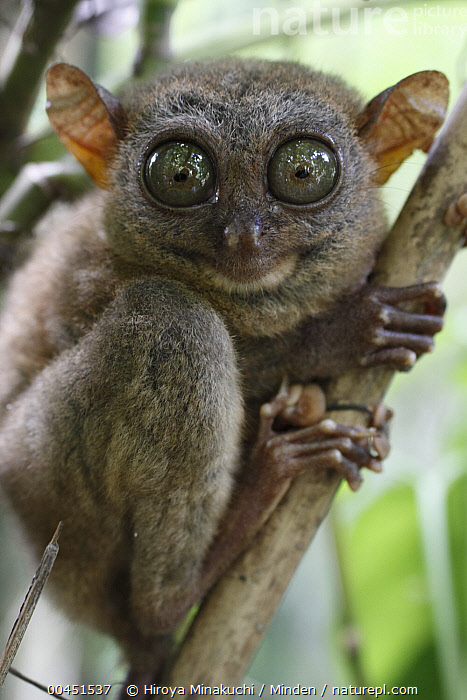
(319, 442)
(396, 337)
(457, 211)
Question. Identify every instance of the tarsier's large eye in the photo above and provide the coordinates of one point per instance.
(179, 174)
(302, 171)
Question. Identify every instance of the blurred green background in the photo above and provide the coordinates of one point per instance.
(381, 596)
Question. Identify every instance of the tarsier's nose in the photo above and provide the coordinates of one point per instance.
(244, 232)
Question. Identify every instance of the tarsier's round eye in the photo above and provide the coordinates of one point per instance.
(302, 171)
(179, 174)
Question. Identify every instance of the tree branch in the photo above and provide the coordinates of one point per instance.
(232, 620)
(19, 91)
(155, 49)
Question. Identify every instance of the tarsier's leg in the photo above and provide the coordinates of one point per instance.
(293, 437)
(131, 438)
(281, 452)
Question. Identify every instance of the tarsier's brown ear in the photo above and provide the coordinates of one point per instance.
(87, 119)
(402, 118)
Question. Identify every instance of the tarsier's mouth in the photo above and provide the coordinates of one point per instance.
(251, 279)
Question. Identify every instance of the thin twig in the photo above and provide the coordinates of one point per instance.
(29, 604)
(44, 688)
(226, 633)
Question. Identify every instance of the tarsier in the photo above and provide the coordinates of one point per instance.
(144, 342)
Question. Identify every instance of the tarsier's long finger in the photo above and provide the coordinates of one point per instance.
(353, 451)
(335, 460)
(402, 359)
(392, 339)
(273, 408)
(415, 323)
(429, 293)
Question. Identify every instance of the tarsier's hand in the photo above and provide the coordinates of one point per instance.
(395, 337)
(294, 436)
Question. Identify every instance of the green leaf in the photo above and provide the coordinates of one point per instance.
(457, 525)
(383, 571)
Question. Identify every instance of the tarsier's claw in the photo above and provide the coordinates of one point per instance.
(398, 358)
(307, 440)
